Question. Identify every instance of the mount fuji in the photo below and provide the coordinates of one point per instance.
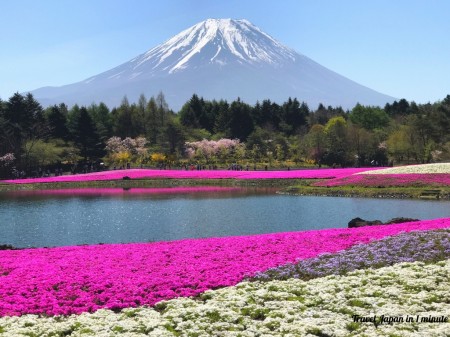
(217, 59)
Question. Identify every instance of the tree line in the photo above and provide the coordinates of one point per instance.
(290, 134)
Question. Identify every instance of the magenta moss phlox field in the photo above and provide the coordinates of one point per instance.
(206, 174)
(72, 280)
(387, 180)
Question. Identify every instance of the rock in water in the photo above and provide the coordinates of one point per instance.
(358, 222)
(400, 220)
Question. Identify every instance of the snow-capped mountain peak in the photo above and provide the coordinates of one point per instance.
(215, 41)
(218, 59)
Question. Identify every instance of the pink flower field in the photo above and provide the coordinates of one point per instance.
(388, 180)
(206, 174)
(78, 279)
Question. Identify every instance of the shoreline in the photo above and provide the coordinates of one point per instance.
(300, 187)
(369, 192)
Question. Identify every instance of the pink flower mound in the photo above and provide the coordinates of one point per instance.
(78, 279)
(409, 179)
(206, 174)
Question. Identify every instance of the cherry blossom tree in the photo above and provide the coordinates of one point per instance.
(122, 151)
(211, 151)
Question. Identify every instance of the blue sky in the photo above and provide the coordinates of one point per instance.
(397, 47)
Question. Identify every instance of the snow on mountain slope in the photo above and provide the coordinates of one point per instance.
(218, 59)
(223, 38)
(214, 41)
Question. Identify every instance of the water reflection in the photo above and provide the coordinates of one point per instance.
(136, 192)
(90, 215)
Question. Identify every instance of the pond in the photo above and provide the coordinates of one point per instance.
(89, 216)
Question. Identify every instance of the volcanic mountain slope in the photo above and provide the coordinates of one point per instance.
(218, 59)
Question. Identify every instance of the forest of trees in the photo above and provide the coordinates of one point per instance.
(34, 139)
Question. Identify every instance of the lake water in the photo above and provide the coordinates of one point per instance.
(90, 216)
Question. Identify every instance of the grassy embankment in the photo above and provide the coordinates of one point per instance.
(160, 182)
(287, 186)
(416, 181)
(369, 192)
